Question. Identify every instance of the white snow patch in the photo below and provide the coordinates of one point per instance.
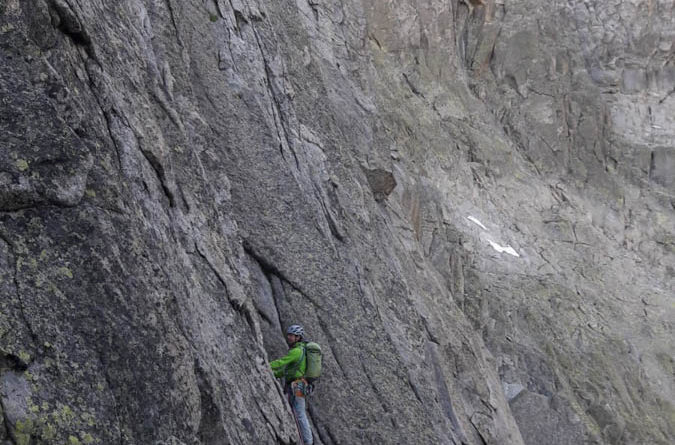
(500, 249)
(475, 221)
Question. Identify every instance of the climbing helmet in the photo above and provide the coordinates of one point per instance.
(296, 329)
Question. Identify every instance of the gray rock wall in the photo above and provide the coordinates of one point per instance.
(468, 204)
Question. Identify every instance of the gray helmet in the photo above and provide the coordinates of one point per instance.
(296, 329)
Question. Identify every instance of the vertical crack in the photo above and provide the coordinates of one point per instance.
(159, 170)
(269, 276)
(116, 407)
(445, 400)
(22, 307)
(326, 436)
(479, 434)
(172, 14)
(415, 391)
(332, 224)
(275, 295)
(109, 112)
(378, 395)
(5, 419)
(240, 306)
(331, 344)
(19, 298)
(652, 165)
(107, 115)
(282, 134)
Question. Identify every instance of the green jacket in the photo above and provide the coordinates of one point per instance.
(293, 365)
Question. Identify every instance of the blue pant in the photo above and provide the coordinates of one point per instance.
(299, 410)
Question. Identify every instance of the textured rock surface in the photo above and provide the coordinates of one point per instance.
(470, 205)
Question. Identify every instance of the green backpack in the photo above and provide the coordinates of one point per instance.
(313, 355)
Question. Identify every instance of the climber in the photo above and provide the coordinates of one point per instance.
(292, 369)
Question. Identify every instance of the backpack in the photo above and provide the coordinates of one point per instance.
(313, 357)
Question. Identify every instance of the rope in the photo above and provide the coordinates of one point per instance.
(295, 417)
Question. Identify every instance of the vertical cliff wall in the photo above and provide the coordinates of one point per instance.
(468, 204)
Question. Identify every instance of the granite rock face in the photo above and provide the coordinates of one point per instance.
(469, 204)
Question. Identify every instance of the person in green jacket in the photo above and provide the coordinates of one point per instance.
(292, 368)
